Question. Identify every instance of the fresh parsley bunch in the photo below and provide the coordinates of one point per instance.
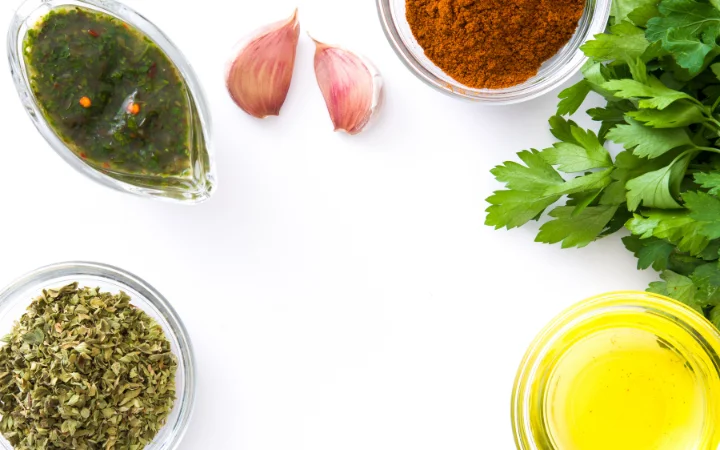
(658, 68)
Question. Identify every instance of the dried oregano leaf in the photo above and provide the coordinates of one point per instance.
(85, 370)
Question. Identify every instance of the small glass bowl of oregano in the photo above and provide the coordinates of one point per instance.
(92, 358)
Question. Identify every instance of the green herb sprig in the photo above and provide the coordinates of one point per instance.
(658, 69)
(85, 370)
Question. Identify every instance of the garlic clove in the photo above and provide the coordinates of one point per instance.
(259, 74)
(351, 85)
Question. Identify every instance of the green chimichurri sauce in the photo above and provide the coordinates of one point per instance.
(110, 93)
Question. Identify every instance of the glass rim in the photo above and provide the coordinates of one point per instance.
(573, 58)
(696, 326)
(15, 37)
(151, 295)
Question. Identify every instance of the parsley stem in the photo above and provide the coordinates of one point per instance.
(709, 149)
(698, 102)
(715, 122)
(710, 127)
(708, 113)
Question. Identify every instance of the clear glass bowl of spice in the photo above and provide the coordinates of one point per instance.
(113, 97)
(139, 378)
(493, 51)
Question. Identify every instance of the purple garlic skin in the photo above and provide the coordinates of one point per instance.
(258, 76)
(351, 85)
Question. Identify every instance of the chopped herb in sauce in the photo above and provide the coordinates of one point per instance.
(111, 94)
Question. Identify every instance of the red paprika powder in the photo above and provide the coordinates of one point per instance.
(492, 44)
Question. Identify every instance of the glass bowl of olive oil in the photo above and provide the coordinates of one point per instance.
(114, 97)
(15, 299)
(622, 371)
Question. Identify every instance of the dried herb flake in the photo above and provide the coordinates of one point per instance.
(85, 370)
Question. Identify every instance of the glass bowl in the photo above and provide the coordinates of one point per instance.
(15, 298)
(194, 188)
(693, 341)
(553, 72)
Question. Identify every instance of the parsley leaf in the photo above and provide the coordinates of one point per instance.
(648, 142)
(688, 29)
(590, 182)
(677, 115)
(679, 287)
(704, 208)
(511, 209)
(699, 290)
(711, 252)
(654, 93)
(678, 228)
(625, 42)
(684, 264)
(562, 128)
(707, 280)
(652, 252)
(709, 181)
(651, 190)
(524, 200)
(597, 74)
(580, 151)
(536, 175)
(611, 115)
(573, 97)
(576, 230)
(621, 9)
(641, 15)
(714, 316)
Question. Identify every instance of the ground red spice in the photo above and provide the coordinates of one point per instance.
(492, 43)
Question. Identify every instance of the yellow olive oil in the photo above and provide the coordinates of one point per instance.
(623, 389)
(621, 371)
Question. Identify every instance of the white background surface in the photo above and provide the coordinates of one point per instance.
(340, 292)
